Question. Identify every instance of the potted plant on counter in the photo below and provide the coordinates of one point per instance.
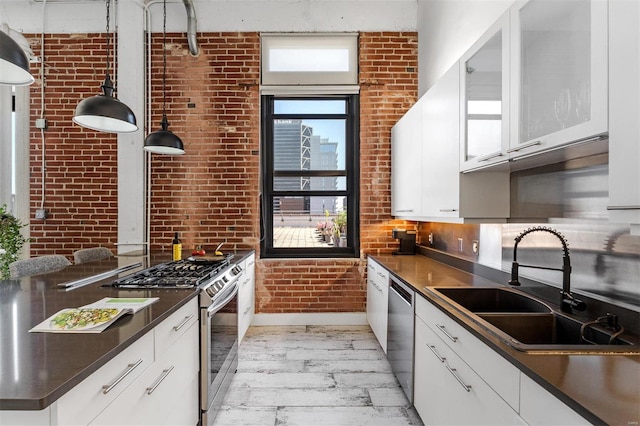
(11, 240)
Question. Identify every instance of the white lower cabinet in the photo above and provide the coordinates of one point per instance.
(246, 295)
(378, 300)
(448, 392)
(502, 376)
(151, 399)
(539, 407)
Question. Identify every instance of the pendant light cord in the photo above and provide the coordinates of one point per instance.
(164, 57)
(108, 44)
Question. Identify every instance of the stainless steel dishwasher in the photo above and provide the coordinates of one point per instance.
(400, 329)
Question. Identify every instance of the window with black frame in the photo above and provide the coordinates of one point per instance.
(310, 176)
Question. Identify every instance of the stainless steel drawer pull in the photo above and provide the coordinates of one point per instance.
(182, 324)
(526, 145)
(163, 376)
(433, 349)
(446, 333)
(448, 210)
(455, 374)
(130, 367)
(404, 211)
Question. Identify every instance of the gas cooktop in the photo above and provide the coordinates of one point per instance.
(177, 274)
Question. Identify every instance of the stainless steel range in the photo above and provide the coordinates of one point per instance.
(217, 281)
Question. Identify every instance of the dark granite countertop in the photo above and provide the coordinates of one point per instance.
(38, 368)
(602, 388)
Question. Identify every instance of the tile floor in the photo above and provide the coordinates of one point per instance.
(314, 375)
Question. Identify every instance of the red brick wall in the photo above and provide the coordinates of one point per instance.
(81, 165)
(210, 194)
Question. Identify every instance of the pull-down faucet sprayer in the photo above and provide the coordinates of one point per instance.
(568, 302)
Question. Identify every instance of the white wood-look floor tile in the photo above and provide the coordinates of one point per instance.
(284, 380)
(328, 397)
(348, 366)
(342, 416)
(274, 366)
(388, 397)
(366, 380)
(246, 416)
(328, 354)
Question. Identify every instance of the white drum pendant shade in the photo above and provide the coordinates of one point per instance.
(14, 64)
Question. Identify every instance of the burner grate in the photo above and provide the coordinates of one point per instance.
(177, 274)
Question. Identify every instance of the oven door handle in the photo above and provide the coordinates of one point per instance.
(211, 310)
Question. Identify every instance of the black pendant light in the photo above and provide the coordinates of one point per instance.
(164, 141)
(14, 64)
(105, 113)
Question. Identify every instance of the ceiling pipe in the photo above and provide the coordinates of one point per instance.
(192, 27)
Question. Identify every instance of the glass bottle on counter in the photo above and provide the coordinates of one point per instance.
(177, 247)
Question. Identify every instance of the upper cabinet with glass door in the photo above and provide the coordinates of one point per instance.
(484, 99)
(558, 74)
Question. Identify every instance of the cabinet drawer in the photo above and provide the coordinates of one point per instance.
(173, 327)
(82, 403)
(151, 399)
(500, 374)
(448, 391)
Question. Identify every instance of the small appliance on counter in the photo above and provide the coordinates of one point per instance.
(407, 241)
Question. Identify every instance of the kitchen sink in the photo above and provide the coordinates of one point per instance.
(530, 325)
(550, 331)
(493, 299)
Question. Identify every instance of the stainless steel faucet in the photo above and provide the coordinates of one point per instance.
(567, 301)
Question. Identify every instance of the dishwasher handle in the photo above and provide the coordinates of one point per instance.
(401, 291)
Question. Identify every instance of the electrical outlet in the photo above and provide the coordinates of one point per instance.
(41, 123)
(460, 245)
(431, 238)
(475, 247)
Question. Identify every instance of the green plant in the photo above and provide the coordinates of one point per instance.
(341, 222)
(11, 240)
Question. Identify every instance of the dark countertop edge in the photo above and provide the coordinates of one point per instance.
(47, 400)
(493, 342)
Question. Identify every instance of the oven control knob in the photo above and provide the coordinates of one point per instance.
(236, 270)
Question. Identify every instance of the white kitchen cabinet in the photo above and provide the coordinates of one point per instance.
(624, 113)
(406, 164)
(558, 74)
(449, 392)
(246, 295)
(502, 376)
(447, 194)
(153, 398)
(484, 99)
(539, 407)
(378, 300)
